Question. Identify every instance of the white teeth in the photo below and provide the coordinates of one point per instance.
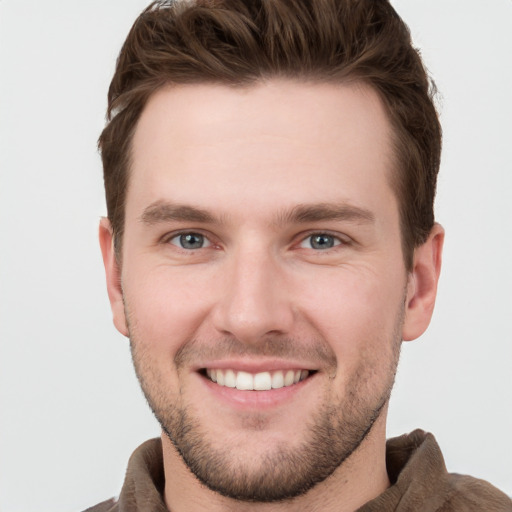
(288, 379)
(244, 381)
(229, 379)
(277, 380)
(262, 381)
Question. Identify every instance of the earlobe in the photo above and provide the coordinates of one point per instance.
(113, 276)
(422, 285)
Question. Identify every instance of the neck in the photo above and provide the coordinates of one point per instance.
(359, 479)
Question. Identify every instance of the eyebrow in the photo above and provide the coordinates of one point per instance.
(304, 213)
(164, 211)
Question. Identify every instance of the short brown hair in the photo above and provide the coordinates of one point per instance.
(241, 42)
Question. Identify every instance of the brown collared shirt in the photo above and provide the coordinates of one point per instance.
(416, 469)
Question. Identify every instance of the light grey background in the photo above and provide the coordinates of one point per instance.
(70, 408)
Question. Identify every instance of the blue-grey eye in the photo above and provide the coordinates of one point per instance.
(320, 241)
(190, 241)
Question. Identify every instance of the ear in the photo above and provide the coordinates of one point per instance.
(113, 275)
(422, 285)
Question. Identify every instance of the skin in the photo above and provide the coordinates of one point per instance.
(258, 295)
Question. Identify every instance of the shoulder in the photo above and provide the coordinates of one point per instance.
(421, 482)
(105, 506)
(143, 484)
(468, 493)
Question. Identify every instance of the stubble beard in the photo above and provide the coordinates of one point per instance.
(332, 434)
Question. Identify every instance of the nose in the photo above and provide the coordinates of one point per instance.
(253, 299)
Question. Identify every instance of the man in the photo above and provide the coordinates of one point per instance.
(270, 171)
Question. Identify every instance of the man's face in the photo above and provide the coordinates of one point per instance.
(262, 250)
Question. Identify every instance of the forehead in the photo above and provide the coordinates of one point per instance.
(277, 143)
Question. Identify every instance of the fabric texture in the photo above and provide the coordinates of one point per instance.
(416, 469)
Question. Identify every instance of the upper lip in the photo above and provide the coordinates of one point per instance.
(255, 366)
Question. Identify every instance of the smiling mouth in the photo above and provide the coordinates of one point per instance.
(262, 381)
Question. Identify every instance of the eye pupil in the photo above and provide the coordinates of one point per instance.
(322, 241)
(192, 241)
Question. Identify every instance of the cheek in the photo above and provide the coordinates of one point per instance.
(360, 318)
(353, 309)
(165, 306)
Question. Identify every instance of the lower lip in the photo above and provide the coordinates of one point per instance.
(256, 399)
